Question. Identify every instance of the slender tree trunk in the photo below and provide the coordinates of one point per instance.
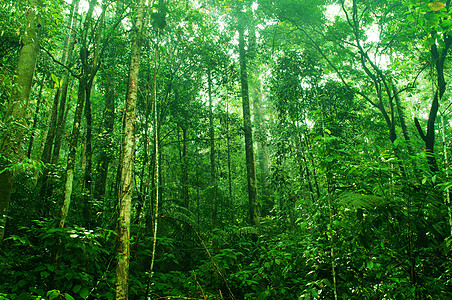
(72, 152)
(64, 87)
(105, 156)
(250, 166)
(157, 177)
(128, 145)
(83, 83)
(212, 154)
(228, 143)
(16, 121)
(53, 138)
(263, 153)
(46, 155)
(89, 120)
(185, 194)
(35, 118)
(47, 152)
(88, 156)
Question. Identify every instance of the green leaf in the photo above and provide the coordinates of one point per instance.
(53, 294)
(68, 297)
(68, 276)
(45, 274)
(51, 268)
(84, 293)
(76, 288)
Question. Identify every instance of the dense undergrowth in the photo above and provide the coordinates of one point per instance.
(379, 252)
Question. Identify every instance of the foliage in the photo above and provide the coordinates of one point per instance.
(345, 182)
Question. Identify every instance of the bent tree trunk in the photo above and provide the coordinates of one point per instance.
(250, 166)
(128, 144)
(16, 120)
(438, 58)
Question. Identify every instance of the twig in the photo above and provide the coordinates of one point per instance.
(202, 291)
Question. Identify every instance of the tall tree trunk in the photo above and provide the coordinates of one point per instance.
(53, 138)
(88, 116)
(47, 152)
(83, 83)
(128, 144)
(88, 156)
(16, 120)
(228, 143)
(185, 195)
(106, 141)
(213, 182)
(250, 167)
(64, 87)
(35, 118)
(157, 178)
(72, 152)
(263, 152)
(46, 155)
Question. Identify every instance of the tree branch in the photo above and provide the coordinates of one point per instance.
(61, 64)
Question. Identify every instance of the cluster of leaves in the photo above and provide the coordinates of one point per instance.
(43, 261)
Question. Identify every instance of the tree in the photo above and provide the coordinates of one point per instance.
(127, 153)
(247, 127)
(17, 115)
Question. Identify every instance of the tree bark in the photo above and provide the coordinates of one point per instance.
(250, 166)
(128, 144)
(17, 116)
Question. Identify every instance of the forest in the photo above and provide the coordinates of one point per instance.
(225, 149)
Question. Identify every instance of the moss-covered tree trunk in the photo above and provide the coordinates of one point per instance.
(16, 120)
(128, 144)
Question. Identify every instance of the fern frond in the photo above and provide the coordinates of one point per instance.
(355, 200)
(247, 231)
(180, 213)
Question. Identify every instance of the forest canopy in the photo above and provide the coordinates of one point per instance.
(225, 149)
